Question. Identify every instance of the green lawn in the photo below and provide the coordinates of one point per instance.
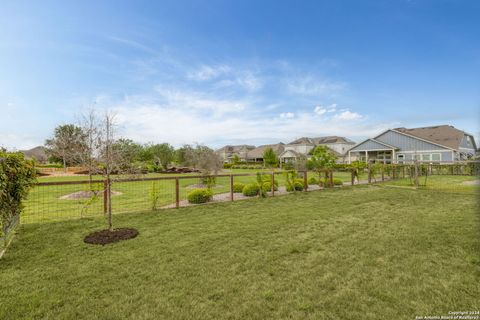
(353, 253)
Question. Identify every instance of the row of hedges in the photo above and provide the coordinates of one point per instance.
(198, 196)
(321, 182)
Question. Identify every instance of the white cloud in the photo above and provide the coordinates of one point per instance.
(348, 115)
(192, 100)
(313, 86)
(287, 115)
(206, 72)
(319, 110)
(173, 119)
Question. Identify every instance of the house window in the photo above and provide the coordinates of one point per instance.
(401, 158)
(425, 157)
(436, 157)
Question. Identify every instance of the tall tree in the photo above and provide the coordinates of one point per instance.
(163, 154)
(270, 159)
(65, 143)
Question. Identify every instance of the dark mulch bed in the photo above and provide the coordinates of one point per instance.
(106, 236)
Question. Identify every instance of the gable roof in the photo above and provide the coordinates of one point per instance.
(303, 140)
(372, 143)
(258, 151)
(331, 139)
(322, 140)
(443, 135)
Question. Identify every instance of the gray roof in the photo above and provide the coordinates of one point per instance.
(322, 140)
(331, 139)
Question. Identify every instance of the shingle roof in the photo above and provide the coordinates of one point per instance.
(444, 135)
(258, 151)
(303, 140)
(331, 139)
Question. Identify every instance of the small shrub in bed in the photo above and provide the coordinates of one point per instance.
(238, 187)
(337, 182)
(267, 186)
(199, 196)
(312, 181)
(251, 190)
(298, 186)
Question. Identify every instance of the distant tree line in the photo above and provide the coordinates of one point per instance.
(73, 145)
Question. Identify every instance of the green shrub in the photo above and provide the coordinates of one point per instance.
(337, 182)
(238, 187)
(251, 190)
(227, 166)
(298, 184)
(199, 196)
(267, 186)
(17, 176)
(312, 181)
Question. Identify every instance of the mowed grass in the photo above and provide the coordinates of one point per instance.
(366, 252)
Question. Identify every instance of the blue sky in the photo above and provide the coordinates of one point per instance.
(218, 72)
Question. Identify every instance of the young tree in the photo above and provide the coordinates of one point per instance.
(206, 160)
(87, 154)
(65, 143)
(322, 161)
(106, 154)
(270, 159)
(235, 159)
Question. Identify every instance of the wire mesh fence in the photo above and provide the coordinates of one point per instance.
(52, 201)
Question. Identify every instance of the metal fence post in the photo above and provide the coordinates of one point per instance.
(177, 193)
(231, 187)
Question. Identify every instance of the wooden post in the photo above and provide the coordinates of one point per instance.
(353, 177)
(105, 196)
(403, 171)
(330, 172)
(231, 187)
(383, 172)
(177, 193)
(273, 184)
(369, 173)
(305, 181)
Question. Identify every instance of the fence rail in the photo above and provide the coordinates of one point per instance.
(51, 201)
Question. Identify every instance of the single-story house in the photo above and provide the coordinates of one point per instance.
(442, 144)
(256, 155)
(227, 153)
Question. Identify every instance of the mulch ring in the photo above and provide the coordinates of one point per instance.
(106, 236)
